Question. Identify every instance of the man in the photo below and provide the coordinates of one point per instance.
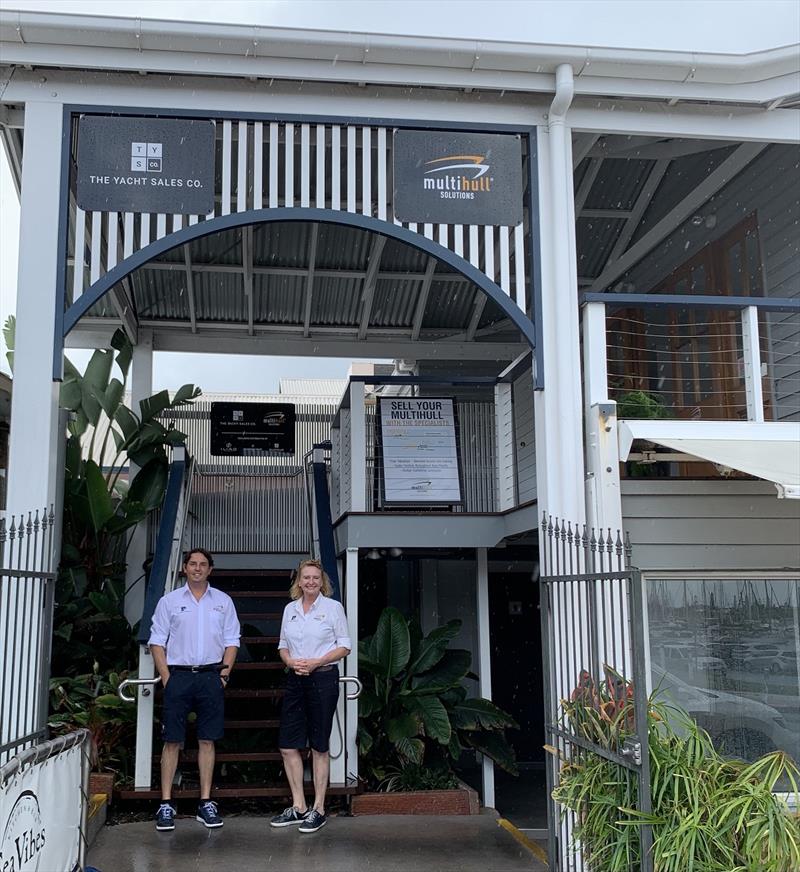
(194, 640)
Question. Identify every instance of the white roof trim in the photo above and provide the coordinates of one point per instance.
(768, 450)
(47, 39)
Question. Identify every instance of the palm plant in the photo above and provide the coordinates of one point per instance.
(101, 507)
(413, 709)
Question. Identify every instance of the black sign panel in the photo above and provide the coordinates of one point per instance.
(457, 178)
(252, 429)
(145, 165)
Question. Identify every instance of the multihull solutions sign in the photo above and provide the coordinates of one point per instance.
(145, 165)
(457, 178)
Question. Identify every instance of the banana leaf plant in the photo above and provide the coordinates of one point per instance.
(414, 709)
(101, 507)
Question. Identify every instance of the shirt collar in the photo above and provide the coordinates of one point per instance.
(187, 592)
(298, 603)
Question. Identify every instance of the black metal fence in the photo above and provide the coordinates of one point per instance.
(597, 702)
(27, 589)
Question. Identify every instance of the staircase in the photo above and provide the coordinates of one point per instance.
(248, 760)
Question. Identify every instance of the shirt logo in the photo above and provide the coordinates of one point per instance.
(219, 608)
(184, 608)
(293, 618)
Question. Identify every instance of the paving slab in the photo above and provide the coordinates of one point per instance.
(386, 843)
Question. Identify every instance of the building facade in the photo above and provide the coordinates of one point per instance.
(603, 281)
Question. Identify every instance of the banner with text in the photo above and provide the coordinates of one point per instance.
(420, 454)
(145, 165)
(41, 816)
(441, 177)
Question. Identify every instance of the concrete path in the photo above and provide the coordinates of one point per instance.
(390, 843)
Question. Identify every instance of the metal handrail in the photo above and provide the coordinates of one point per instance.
(42, 751)
(139, 682)
(344, 679)
(136, 682)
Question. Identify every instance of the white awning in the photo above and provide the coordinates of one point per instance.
(769, 450)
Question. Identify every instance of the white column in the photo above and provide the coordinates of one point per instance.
(485, 663)
(36, 438)
(145, 695)
(358, 449)
(141, 388)
(603, 497)
(351, 661)
(751, 352)
(38, 434)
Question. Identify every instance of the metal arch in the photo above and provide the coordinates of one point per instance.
(297, 214)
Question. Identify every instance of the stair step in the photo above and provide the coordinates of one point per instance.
(259, 666)
(253, 573)
(242, 594)
(260, 640)
(266, 693)
(266, 724)
(235, 791)
(237, 757)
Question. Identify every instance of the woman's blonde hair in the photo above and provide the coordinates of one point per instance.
(325, 588)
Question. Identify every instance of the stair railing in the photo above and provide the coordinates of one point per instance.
(322, 544)
(164, 574)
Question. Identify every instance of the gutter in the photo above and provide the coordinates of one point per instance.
(128, 44)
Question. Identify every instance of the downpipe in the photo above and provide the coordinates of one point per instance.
(565, 357)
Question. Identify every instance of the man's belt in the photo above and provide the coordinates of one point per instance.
(208, 667)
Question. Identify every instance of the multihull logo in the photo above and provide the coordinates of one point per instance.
(458, 176)
(23, 836)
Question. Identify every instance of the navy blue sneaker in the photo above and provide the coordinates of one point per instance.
(165, 817)
(313, 822)
(288, 817)
(207, 814)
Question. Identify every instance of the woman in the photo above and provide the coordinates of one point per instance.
(313, 639)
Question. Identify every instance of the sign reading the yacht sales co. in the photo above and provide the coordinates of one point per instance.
(441, 177)
(145, 165)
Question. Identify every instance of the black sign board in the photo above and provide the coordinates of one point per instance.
(252, 429)
(457, 178)
(145, 165)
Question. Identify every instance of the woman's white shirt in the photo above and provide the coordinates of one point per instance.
(314, 633)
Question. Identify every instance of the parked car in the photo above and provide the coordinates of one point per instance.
(740, 726)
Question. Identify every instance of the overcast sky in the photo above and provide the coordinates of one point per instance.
(688, 25)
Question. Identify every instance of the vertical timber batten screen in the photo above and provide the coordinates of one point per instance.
(27, 589)
(264, 164)
(593, 639)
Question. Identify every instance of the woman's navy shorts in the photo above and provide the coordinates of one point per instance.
(198, 692)
(308, 708)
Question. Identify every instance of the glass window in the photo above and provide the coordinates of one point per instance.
(727, 650)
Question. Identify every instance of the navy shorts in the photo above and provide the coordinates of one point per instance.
(308, 708)
(198, 692)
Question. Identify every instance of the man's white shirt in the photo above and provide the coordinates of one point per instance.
(195, 632)
(316, 632)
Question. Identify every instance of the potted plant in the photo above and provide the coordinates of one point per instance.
(91, 702)
(708, 813)
(416, 719)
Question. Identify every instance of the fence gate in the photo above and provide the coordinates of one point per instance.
(596, 701)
